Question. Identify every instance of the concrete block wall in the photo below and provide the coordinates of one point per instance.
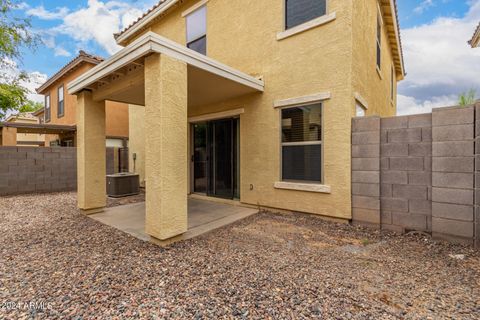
(30, 170)
(405, 174)
(366, 171)
(476, 216)
(426, 169)
(453, 173)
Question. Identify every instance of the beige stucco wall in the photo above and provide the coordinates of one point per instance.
(136, 143)
(373, 86)
(318, 60)
(116, 113)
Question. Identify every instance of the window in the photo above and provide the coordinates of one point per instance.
(61, 104)
(301, 11)
(379, 41)
(359, 110)
(47, 108)
(302, 143)
(197, 30)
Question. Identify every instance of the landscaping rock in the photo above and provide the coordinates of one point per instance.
(57, 263)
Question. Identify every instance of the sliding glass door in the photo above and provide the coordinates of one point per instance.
(216, 158)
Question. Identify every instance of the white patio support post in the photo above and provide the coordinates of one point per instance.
(166, 158)
(91, 166)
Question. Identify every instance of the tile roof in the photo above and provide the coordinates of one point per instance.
(82, 56)
(116, 35)
(476, 35)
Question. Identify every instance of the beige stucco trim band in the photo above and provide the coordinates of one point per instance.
(317, 97)
(153, 43)
(307, 26)
(217, 115)
(309, 187)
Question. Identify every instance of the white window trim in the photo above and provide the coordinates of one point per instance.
(217, 115)
(309, 187)
(377, 41)
(307, 26)
(313, 98)
(194, 8)
(379, 72)
(392, 85)
(361, 100)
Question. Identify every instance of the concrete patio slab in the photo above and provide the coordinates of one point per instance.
(203, 216)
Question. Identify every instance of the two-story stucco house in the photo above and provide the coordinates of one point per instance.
(245, 100)
(60, 107)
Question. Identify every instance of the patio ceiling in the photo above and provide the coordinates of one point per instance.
(121, 78)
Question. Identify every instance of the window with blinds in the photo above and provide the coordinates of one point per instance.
(302, 143)
(301, 11)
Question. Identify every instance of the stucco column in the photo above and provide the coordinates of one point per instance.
(91, 159)
(9, 137)
(165, 146)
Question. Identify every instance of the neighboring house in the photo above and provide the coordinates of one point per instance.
(475, 41)
(243, 100)
(27, 139)
(60, 107)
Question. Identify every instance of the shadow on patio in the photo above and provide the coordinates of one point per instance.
(203, 216)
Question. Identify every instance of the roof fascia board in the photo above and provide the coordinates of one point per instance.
(146, 20)
(59, 75)
(151, 42)
(397, 34)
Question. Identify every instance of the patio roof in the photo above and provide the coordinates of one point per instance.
(121, 77)
(40, 128)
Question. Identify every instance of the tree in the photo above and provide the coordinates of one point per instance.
(467, 98)
(15, 35)
(31, 106)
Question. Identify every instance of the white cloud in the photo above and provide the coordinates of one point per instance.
(36, 80)
(96, 22)
(410, 105)
(61, 52)
(439, 63)
(424, 5)
(41, 13)
(10, 71)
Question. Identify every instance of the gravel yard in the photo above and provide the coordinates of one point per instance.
(267, 266)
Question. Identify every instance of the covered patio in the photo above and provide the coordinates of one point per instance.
(9, 131)
(168, 79)
(203, 216)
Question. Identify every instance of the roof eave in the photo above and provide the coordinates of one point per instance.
(79, 60)
(128, 33)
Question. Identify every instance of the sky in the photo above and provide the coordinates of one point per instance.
(439, 63)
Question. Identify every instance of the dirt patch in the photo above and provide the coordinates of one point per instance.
(266, 266)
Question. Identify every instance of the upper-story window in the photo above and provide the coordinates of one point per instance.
(61, 103)
(47, 108)
(301, 11)
(197, 30)
(379, 40)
